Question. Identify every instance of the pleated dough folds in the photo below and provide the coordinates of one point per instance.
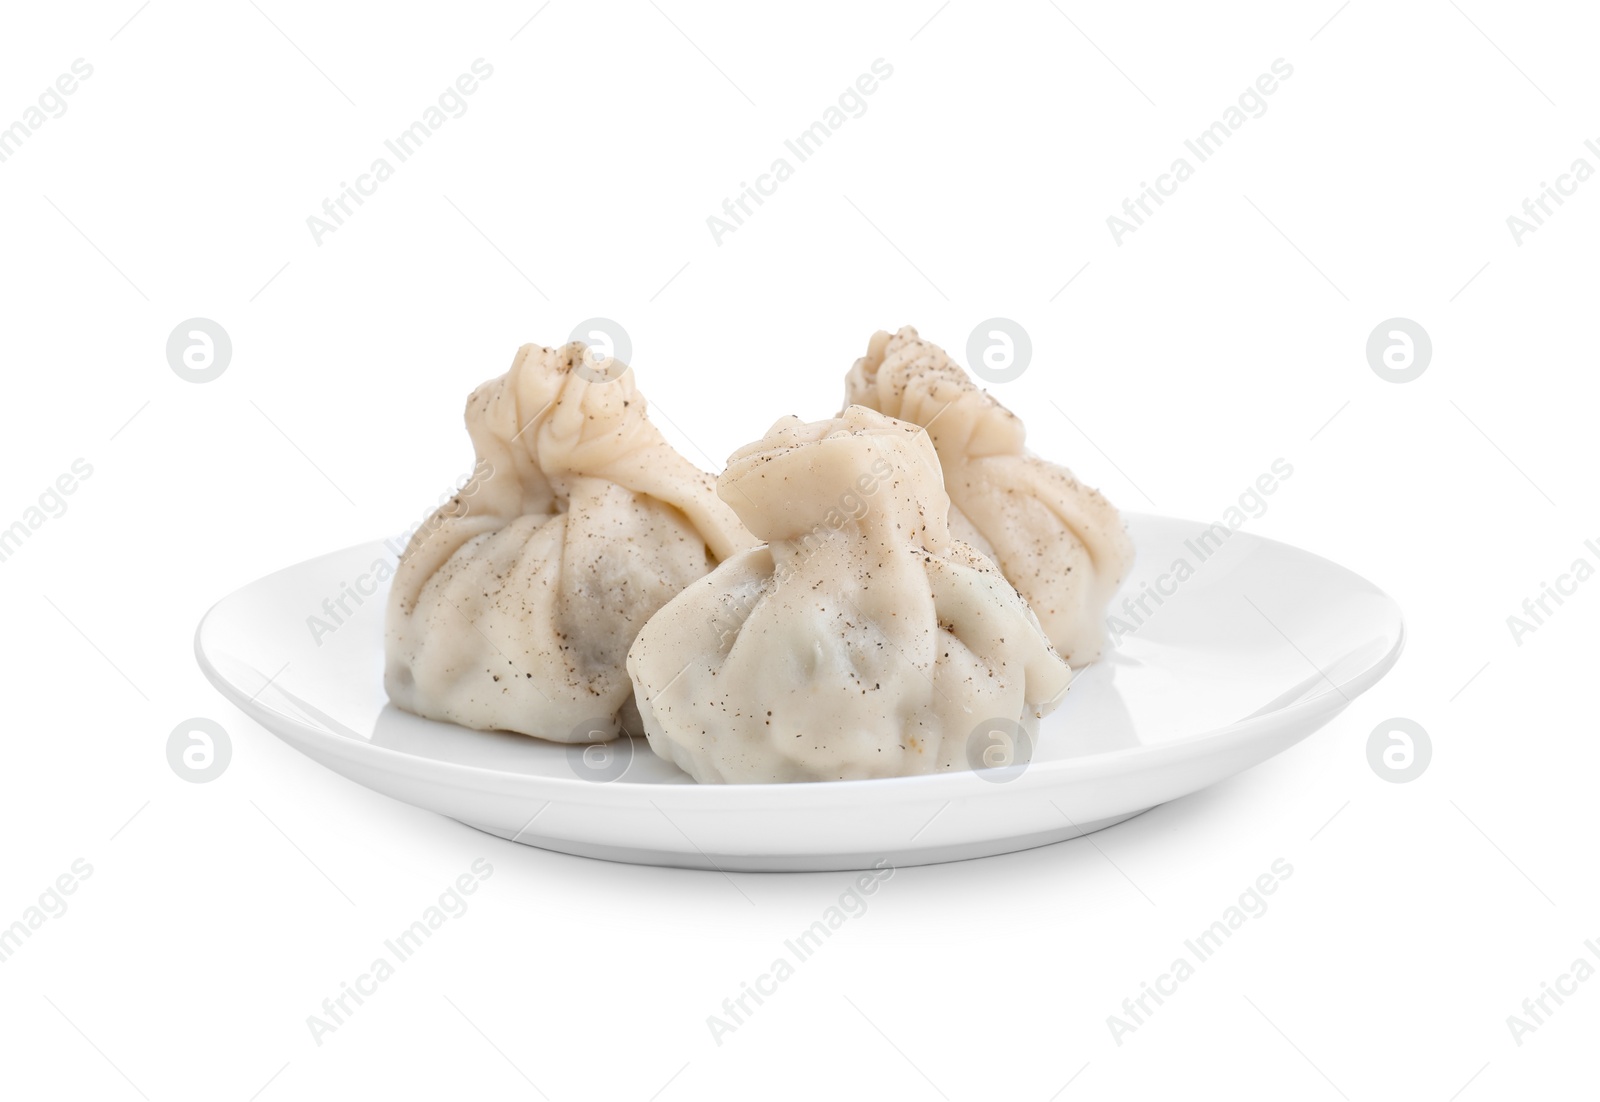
(861, 640)
(514, 605)
(1061, 543)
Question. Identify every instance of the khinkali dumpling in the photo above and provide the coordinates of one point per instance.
(514, 605)
(860, 641)
(1058, 541)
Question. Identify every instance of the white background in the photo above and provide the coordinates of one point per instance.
(1225, 333)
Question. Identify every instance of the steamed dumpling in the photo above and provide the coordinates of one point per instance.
(1058, 541)
(514, 605)
(861, 641)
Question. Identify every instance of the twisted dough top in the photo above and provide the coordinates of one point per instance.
(544, 425)
(914, 380)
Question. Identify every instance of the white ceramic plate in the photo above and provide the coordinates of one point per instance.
(1258, 647)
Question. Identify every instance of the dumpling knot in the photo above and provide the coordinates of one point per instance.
(917, 381)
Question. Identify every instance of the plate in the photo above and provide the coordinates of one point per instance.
(1228, 649)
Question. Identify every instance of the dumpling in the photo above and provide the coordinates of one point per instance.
(860, 641)
(1061, 543)
(514, 605)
